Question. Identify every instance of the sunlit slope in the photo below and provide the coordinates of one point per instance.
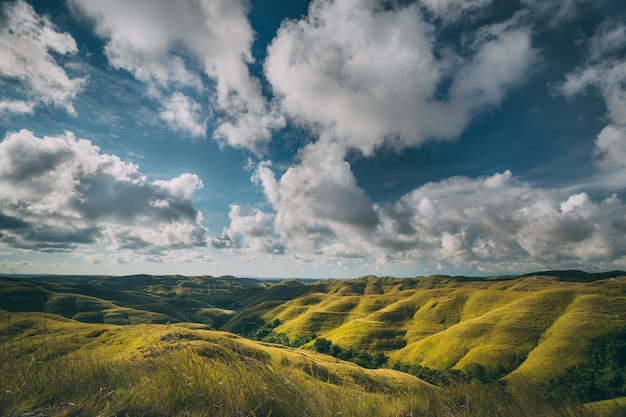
(537, 323)
(499, 337)
(53, 366)
(44, 337)
(586, 317)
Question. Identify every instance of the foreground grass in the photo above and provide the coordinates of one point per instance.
(57, 367)
(179, 384)
(186, 383)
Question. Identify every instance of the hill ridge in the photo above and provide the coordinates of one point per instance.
(507, 325)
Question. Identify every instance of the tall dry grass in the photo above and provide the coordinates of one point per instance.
(45, 375)
(187, 383)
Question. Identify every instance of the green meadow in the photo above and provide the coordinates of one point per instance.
(544, 344)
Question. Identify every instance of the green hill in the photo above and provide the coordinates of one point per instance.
(58, 366)
(526, 328)
(53, 366)
(537, 328)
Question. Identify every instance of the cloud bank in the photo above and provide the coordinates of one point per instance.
(492, 223)
(498, 222)
(60, 192)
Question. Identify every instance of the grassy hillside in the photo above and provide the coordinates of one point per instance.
(52, 366)
(86, 369)
(127, 300)
(537, 328)
(533, 326)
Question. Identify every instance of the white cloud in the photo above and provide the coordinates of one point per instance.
(59, 192)
(496, 222)
(255, 223)
(610, 151)
(496, 66)
(163, 43)
(27, 44)
(183, 113)
(251, 230)
(359, 73)
(182, 187)
(16, 106)
(492, 224)
(606, 72)
(364, 74)
(611, 147)
(317, 201)
(250, 130)
(573, 202)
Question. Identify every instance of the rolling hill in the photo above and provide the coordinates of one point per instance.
(57, 366)
(534, 328)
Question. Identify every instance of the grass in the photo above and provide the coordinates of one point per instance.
(534, 326)
(48, 365)
(527, 330)
(564, 343)
(58, 367)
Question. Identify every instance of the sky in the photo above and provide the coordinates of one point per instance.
(288, 138)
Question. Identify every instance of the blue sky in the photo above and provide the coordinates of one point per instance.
(280, 138)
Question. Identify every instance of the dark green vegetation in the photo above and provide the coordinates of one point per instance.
(541, 344)
(602, 374)
(363, 359)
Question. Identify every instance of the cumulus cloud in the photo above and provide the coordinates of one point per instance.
(574, 201)
(489, 220)
(367, 75)
(491, 223)
(28, 44)
(251, 230)
(163, 43)
(317, 201)
(61, 191)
